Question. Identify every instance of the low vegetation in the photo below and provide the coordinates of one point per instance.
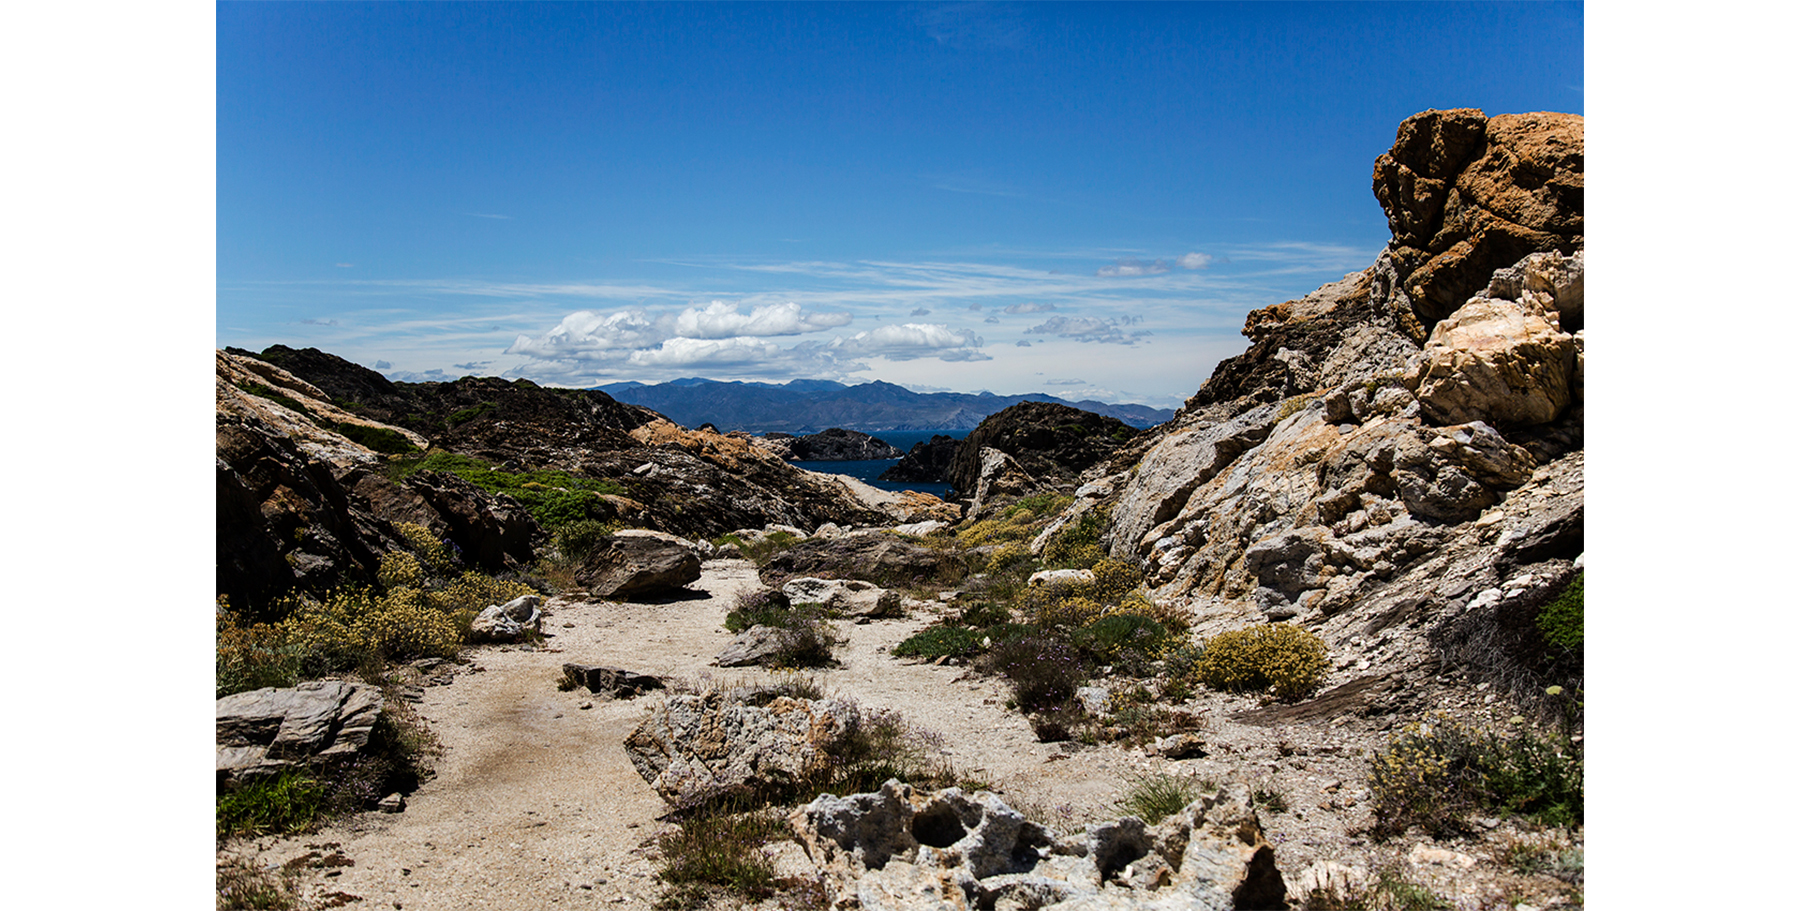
(806, 637)
(1285, 660)
(554, 498)
(1155, 797)
(1435, 773)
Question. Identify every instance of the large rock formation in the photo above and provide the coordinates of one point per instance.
(833, 445)
(1050, 445)
(1387, 442)
(902, 849)
(264, 731)
(929, 461)
(694, 748)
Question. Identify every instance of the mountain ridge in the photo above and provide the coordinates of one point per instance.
(867, 407)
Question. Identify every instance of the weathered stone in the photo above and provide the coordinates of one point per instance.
(883, 559)
(272, 728)
(507, 622)
(1062, 577)
(754, 646)
(849, 597)
(693, 748)
(627, 566)
(612, 681)
(1495, 361)
(1181, 746)
(393, 803)
(900, 848)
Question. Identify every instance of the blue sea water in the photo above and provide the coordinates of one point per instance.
(869, 470)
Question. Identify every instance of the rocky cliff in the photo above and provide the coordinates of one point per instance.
(1401, 447)
(308, 497)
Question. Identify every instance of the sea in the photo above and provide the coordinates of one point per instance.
(868, 470)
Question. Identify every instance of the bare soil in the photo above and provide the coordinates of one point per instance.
(534, 804)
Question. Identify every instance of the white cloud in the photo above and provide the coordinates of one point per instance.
(1194, 260)
(912, 340)
(1090, 329)
(1065, 382)
(1031, 307)
(586, 333)
(920, 312)
(721, 320)
(1132, 267)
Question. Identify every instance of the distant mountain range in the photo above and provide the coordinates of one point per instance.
(807, 406)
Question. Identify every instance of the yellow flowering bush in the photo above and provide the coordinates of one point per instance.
(1284, 659)
(398, 569)
(473, 591)
(431, 552)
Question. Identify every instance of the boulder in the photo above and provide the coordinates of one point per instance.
(696, 747)
(884, 559)
(838, 445)
(847, 597)
(265, 730)
(1503, 362)
(1061, 577)
(754, 646)
(629, 566)
(900, 848)
(1051, 443)
(611, 681)
(928, 462)
(508, 622)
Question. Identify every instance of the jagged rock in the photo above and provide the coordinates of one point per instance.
(838, 445)
(629, 565)
(927, 462)
(1498, 361)
(1178, 464)
(1180, 746)
(1052, 445)
(269, 729)
(883, 559)
(1467, 195)
(754, 646)
(611, 681)
(697, 747)
(848, 597)
(507, 622)
(900, 848)
(920, 529)
(999, 477)
(1328, 883)
(493, 532)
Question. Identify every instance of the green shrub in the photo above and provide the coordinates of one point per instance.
(1561, 620)
(1155, 797)
(379, 439)
(1077, 544)
(576, 540)
(939, 642)
(288, 802)
(1435, 772)
(554, 498)
(1284, 659)
(1130, 639)
(719, 848)
(762, 607)
(1044, 671)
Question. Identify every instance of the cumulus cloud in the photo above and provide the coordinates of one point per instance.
(1021, 343)
(976, 306)
(908, 341)
(992, 319)
(473, 365)
(383, 365)
(1030, 308)
(720, 320)
(1194, 260)
(1090, 329)
(587, 334)
(921, 312)
(1132, 267)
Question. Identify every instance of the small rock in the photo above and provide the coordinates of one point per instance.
(393, 803)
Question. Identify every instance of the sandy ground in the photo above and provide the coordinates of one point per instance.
(535, 805)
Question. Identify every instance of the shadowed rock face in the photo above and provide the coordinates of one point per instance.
(836, 445)
(1053, 443)
(928, 461)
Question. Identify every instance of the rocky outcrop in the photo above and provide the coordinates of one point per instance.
(925, 462)
(896, 847)
(1466, 195)
(844, 597)
(1053, 444)
(694, 748)
(264, 731)
(627, 566)
(302, 506)
(615, 682)
(882, 559)
(1366, 469)
(833, 445)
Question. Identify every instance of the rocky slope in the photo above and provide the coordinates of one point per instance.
(1032, 447)
(833, 445)
(304, 502)
(1399, 448)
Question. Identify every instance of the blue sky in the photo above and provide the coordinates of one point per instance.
(1073, 198)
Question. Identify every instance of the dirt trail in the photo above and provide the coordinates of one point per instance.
(535, 804)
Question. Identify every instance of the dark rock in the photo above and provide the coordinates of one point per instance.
(839, 445)
(627, 566)
(1052, 443)
(754, 646)
(925, 462)
(616, 682)
(493, 532)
